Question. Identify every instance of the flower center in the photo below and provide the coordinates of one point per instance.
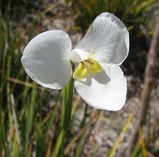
(88, 66)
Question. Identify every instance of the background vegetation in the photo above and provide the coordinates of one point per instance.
(30, 116)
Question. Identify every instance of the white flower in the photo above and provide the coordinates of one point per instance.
(98, 78)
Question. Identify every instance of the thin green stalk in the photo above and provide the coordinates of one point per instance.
(64, 100)
(66, 112)
(29, 121)
(65, 118)
(68, 105)
(58, 144)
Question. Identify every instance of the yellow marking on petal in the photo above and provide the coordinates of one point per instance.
(93, 66)
(80, 72)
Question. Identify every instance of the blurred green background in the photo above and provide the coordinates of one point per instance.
(30, 115)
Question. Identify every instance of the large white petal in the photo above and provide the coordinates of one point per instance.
(106, 90)
(46, 59)
(107, 38)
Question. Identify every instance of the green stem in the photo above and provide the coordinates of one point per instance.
(68, 105)
(66, 111)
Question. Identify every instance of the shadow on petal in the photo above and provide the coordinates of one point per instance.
(87, 81)
(102, 78)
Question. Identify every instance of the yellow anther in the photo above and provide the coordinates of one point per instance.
(80, 72)
(90, 66)
(93, 66)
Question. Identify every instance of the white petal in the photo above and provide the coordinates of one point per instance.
(106, 90)
(77, 55)
(107, 38)
(46, 59)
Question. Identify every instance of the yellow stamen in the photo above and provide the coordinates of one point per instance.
(93, 66)
(90, 66)
(80, 72)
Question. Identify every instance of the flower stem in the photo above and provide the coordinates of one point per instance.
(66, 112)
